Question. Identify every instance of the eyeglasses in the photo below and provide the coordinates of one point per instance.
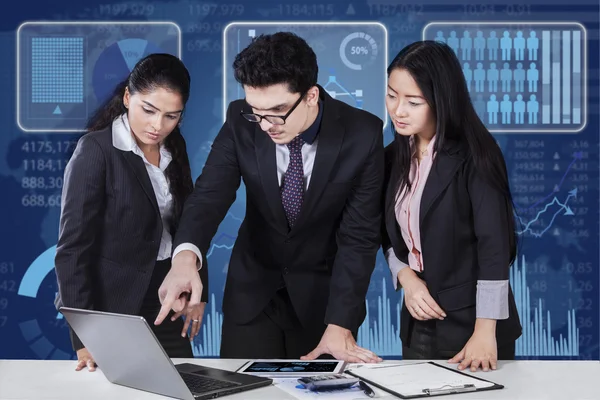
(273, 119)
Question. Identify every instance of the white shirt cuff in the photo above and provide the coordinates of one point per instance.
(492, 299)
(190, 247)
(395, 266)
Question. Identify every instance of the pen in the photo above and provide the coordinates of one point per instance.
(365, 388)
(448, 389)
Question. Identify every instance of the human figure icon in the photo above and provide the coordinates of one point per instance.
(519, 45)
(519, 77)
(533, 76)
(453, 42)
(506, 46)
(439, 37)
(492, 76)
(519, 108)
(506, 77)
(492, 45)
(479, 77)
(492, 108)
(479, 45)
(533, 109)
(533, 44)
(506, 109)
(466, 44)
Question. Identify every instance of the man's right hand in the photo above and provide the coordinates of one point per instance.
(419, 302)
(84, 359)
(182, 279)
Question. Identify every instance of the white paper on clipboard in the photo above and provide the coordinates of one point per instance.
(413, 379)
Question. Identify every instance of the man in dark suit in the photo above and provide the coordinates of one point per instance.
(313, 171)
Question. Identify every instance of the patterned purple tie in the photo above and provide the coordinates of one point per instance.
(292, 190)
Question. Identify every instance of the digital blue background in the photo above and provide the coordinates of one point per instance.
(554, 176)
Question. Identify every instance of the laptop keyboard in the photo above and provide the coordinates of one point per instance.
(202, 384)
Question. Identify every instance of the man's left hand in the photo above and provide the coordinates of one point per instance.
(340, 343)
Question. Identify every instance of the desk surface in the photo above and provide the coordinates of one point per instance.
(527, 380)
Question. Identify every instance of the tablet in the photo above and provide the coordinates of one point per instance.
(292, 368)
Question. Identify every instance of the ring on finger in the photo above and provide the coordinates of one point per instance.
(195, 320)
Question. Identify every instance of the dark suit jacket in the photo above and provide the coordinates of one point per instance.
(328, 257)
(464, 238)
(110, 229)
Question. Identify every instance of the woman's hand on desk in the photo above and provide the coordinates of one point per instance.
(84, 359)
(419, 302)
(481, 350)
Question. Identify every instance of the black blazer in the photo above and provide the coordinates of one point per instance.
(328, 257)
(464, 238)
(110, 229)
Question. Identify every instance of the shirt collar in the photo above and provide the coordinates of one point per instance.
(310, 134)
(122, 139)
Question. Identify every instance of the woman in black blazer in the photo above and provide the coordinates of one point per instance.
(124, 188)
(449, 230)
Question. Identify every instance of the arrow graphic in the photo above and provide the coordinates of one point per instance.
(564, 209)
(576, 156)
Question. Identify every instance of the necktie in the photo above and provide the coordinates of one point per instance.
(292, 190)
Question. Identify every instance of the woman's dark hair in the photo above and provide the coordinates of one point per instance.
(437, 71)
(282, 57)
(150, 73)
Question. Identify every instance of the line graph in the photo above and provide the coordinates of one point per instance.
(333, 82)
(217, 245)
(217, 241)
(230, 215)
(577, 156)
(563, 208)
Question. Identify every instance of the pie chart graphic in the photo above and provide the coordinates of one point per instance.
(116, 62)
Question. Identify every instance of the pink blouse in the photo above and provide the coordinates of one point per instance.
(408, 206)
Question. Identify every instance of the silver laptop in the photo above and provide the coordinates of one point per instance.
(129, 354)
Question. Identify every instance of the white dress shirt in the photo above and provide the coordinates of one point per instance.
(123, 139)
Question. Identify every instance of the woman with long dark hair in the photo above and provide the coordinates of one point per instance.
(449, 229)
(124, 190)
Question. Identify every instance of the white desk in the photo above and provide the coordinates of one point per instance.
(526, 380)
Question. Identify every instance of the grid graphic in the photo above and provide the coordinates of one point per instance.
(57, 70)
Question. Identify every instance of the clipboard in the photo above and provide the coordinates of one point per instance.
(418, 380)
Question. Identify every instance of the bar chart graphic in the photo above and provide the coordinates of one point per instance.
(380, 333)
(524, 77)
(57, 70)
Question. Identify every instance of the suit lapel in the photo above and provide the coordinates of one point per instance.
(444, 167)
(267, 170)
(139, 169)
(330, 138)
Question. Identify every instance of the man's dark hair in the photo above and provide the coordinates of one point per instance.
(282, 57)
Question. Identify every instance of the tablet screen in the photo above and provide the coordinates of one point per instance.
(291, 366)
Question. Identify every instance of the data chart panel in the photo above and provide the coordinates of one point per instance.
(66, 70)
(527, 77)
